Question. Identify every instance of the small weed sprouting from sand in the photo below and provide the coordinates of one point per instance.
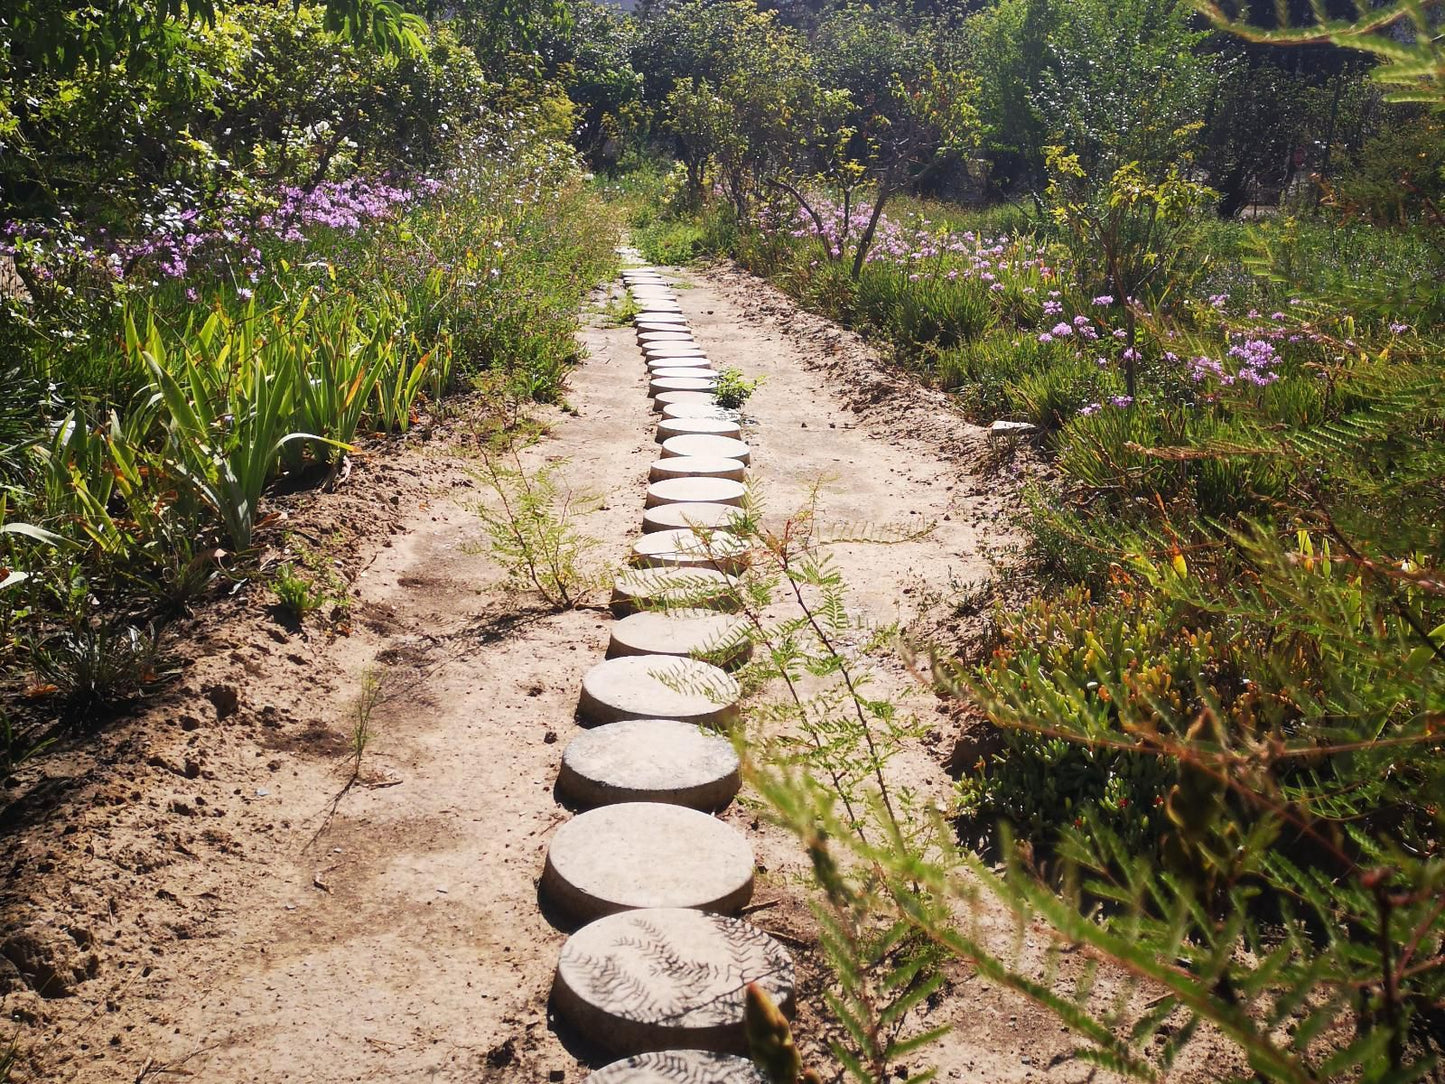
(533, 531)
(296, 596)
(362, 730)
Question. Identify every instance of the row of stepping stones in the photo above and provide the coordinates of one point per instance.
(657, 971)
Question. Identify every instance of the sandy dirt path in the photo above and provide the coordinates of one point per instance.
(399, 937)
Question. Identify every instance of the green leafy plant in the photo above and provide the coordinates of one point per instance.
(296, 595)
(733, 389)
(532, 529)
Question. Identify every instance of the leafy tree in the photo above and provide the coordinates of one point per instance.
(889, 112)
(53, 35)
(729, 83)
(261, 95)
(592, 59)
(1113, 81)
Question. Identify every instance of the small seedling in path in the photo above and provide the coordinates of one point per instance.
(534, 532)
(733, 389)
(361, 730)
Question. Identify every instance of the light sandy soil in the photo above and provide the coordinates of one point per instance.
(216, 904)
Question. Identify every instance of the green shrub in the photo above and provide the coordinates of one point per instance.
(733, 389)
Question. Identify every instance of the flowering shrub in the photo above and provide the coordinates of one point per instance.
(224, 344)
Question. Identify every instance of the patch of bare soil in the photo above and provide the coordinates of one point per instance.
(208, 891)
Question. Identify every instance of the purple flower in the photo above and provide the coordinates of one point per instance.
(1091, 408)
(1121, 401)
(1046, 338)
(1062, 329)
(1104, 299)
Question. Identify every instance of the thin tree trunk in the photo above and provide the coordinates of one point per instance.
(885, 190)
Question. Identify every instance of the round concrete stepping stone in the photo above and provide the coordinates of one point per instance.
(672, 517)
(636, 855)
(660, 304)
(658, 687)
(681, 370)
(650, 295)
(650, 760)
(684, 547)
(675, 409)
(645, 589)
(687, 427)
(667, 979)
(669, 398)
(655, 315)
(691, 633)
(699, 362)
(687, 361)
(696, 466)
(670, 349)
(646, 337)
(702, 444)
(707, 490)
(678, 383)
(663, 351)
(679, 1067)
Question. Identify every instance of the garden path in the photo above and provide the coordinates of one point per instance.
(395, 934)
